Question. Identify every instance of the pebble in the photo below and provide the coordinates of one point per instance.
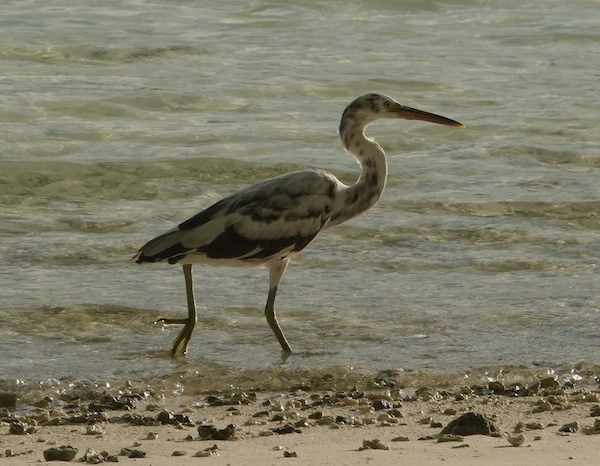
(210, 451)
(396, 413)
(516, 440)
(471, 423)
(290, 454)
(382, 404)
(374, 444)
(450, 438)
(316, 415)
(286, 429)
(534, 426)
(519, 427)
(278, 417)
(585, 396)
(549, 382)
(254, 422)
(179, 453)
(571, 427)
(303, 422)
(17, 428)
(94, 430)
(542, 406)
(132, 453)
(325, 420)
(62, 453)
(92, 457)
(400, 439)
(210, 432)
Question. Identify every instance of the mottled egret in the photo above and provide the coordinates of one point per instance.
(268, 223)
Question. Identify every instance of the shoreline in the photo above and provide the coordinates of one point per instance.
(311, 426)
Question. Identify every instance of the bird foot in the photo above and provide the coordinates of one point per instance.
(166, 321)
(183, 337)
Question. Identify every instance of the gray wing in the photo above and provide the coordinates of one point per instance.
(271, 219)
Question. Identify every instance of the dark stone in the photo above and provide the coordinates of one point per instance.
(214, 401)
(549, 382)
(183, 419)
(316, 415)
(286, 429)
(497, 387)
(378, 405)
(16, 428)
(210, 432)
(381, 382)
(470, 424)
(8, 400)
(396, 413)
(132, 453)
(62, 453)
(78, 419)
(570, 428)
(165, 417)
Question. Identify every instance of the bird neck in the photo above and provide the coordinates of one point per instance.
(365, 193)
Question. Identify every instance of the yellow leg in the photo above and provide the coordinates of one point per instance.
(276, 273)
(272, 320)
(184, 336)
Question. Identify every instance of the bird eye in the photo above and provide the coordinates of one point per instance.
(387, 104)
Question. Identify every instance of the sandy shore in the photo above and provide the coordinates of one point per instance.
(328, 428)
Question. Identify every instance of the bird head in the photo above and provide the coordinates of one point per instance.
(371, 107)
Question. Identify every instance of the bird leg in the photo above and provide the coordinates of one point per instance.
(272, 320)
(276, 273)
(185, 334)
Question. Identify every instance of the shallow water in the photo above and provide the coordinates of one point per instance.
(121, 120)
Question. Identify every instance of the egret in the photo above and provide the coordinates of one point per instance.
(268, 223)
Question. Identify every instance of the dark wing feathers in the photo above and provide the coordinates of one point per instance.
(202, 217)
(271, 219)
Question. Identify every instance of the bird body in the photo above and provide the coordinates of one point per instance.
(271, 221)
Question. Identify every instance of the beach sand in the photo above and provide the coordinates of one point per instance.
(328, 428)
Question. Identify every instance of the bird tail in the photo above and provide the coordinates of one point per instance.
(165, 247)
